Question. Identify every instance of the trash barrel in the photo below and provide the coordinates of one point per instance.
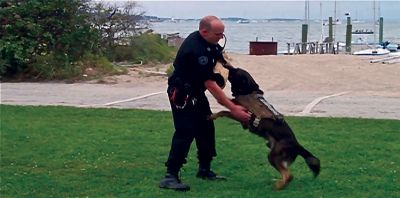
(263, 48)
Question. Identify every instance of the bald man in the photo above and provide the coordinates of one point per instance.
(193, 75)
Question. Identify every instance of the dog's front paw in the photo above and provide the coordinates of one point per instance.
(212, 116)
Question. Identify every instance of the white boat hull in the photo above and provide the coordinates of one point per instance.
(374, 52)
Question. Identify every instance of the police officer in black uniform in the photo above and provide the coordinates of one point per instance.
(193, 75)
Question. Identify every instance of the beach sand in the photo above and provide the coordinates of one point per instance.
(310, 85)
(321, 73)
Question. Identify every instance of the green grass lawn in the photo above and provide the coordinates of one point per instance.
(77, 152)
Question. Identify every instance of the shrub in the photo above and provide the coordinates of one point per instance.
(152, 47)
(46, 40)
(170, 70)
(96, 66)
(48, 34)
(144, 48)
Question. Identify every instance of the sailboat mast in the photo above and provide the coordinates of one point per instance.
(322, 22)
(304, 28)
(335, 22)
(377, 19)
(306, 11)
(374, 20)
(334, 12)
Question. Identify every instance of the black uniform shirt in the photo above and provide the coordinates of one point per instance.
(195, 61)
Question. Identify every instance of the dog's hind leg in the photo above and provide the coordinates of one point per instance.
(287, 177)
(270, 142)
(278, 162)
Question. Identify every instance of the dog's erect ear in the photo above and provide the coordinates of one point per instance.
(227, 65)
(232, 74)
(220, 74)
(219, 80)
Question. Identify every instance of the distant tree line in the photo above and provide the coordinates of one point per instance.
(62, 38)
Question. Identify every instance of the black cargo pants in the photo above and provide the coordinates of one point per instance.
(191, 123)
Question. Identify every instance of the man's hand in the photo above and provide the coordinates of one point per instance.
(239, 112)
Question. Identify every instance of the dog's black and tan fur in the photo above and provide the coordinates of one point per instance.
(269, 124)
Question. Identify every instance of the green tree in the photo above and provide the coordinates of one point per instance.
(44, 38)
(61, 39)
(119, 25)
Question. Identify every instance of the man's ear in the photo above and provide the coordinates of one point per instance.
(204, 31)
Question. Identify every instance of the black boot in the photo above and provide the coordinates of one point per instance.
(209, 174)
(173, 182)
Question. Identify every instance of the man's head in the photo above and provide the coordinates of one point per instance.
(211, 29)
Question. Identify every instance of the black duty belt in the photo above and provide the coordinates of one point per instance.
(181, 98)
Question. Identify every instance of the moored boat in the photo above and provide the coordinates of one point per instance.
(392, 47)
(362, 31)
(243, 21)
(374, 52)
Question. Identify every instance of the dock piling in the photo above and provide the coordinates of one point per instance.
(304, 32)
(380, 29)
(348, 35)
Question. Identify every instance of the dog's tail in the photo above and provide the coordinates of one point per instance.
(312, 162)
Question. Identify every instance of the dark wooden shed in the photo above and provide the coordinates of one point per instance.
(263, 48)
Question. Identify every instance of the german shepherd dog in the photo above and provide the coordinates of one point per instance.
(269, 124)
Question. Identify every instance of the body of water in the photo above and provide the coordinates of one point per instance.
(240, 34)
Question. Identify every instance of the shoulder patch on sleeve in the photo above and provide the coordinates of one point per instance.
(203, 60)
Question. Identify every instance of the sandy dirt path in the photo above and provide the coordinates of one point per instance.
(301, 85)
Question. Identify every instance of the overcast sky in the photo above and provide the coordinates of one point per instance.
(271, 9)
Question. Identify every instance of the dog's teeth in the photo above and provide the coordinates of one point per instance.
(285, 164)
